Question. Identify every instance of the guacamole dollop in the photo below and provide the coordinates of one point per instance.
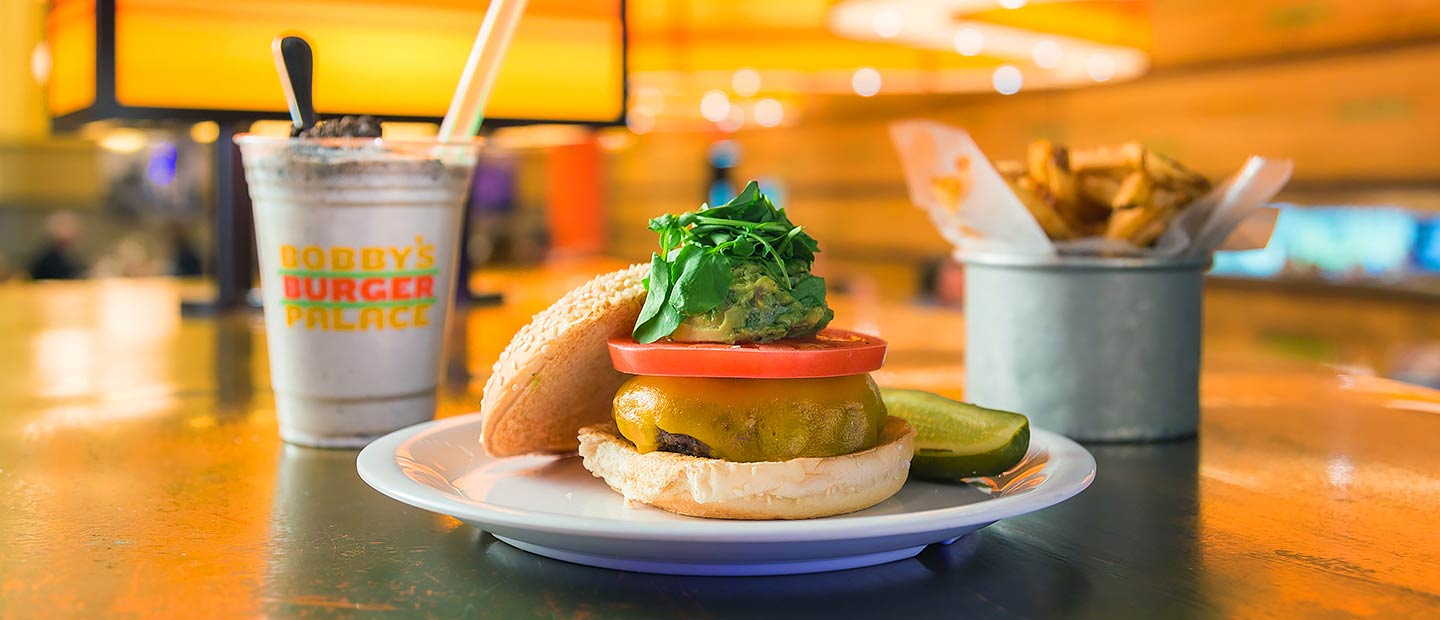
(759, 309)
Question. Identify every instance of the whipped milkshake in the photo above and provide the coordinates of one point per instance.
(357, 241)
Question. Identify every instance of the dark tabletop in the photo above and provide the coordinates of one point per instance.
(141, 476)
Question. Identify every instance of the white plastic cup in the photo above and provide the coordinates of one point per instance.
(357, 240)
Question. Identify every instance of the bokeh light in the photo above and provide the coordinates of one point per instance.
(769, 113)
(969, 41)
(1008, 79)
(1046, 54)
(1101, 67)
(745, 82)
(715, 106)
(866, 82)
(888, 23)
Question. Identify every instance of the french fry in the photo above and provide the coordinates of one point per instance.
(1167, 198)
(1098, 190)
(1127, 155)
(1135, 191)
(1131, 224)
(1010, 168)
(1146, 236)
(1062, 187)
(1038, 159)
(1142, 225)
(1034, 197)
(1166, 171)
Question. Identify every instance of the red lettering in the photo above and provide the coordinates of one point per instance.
(424, 287)
(316, 288)
(344, 289)
(372, 289)
(400, 287)
(292, 287)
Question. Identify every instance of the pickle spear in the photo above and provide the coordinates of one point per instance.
(956, 440)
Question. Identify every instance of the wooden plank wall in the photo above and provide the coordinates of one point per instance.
(1355, 103)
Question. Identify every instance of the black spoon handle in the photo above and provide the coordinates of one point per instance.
(300, 67)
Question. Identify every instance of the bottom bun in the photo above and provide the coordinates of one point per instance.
(801, 488)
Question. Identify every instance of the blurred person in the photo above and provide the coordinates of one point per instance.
(942, 282)
(184, 258)
(720, 161)
(55, 261)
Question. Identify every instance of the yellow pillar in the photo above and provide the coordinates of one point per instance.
(22, 104)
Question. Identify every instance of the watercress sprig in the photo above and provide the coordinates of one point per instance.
(691, 272)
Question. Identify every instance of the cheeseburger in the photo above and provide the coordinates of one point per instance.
(706, 383)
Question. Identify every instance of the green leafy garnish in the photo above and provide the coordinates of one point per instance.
(691, 274)
(657, 316)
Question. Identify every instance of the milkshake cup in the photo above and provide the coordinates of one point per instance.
(357, 241)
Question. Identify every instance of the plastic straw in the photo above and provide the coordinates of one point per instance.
(285, 83)
(467, 107)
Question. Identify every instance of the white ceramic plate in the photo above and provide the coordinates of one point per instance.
(552, 506)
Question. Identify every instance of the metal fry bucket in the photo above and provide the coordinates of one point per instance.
(1103, 349)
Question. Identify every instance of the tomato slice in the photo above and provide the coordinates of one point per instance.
(830, 353)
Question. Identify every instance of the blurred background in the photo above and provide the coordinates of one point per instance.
(116, 118)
